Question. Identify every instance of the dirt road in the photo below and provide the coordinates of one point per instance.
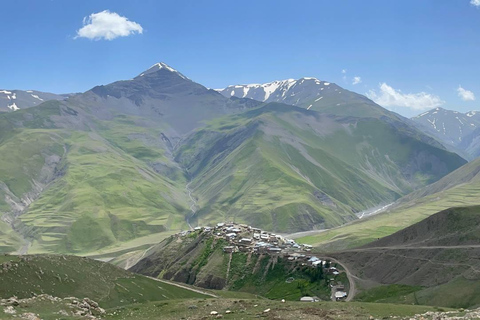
(183, 286)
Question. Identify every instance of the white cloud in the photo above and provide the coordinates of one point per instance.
(388, 97)
(345, 71)
(107, 25)
(465, 95)
(356, 80)
(475, 3)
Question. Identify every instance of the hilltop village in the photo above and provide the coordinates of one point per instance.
(247, 239)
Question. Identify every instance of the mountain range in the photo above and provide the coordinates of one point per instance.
(126, 164)
(12, 100)
(458, 131)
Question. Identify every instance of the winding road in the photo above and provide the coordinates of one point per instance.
(352, 287)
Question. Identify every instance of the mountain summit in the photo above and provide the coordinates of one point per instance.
(460, 131)
(161, 66)
(164, 95)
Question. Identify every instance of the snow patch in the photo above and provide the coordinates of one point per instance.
(5, 91)
(319, 99)
(13, 107)
(309, 107)
(433, 123)
(37, 97)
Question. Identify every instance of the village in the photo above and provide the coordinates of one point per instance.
(247, 239)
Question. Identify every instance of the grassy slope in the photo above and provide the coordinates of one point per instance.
(106, 196)
(65, 276)
(101, 193)
(281, 162)
(410, 273)
(458, 189)
(253, 309)
(105, 185)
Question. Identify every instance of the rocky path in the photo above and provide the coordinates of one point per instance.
(229, 263)
(192, 207)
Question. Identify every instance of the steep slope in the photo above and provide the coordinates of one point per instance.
(164, 95)
(435, 261)
(198, 259)
(67, 188)
(453, 128)
(311, 94)
(12, 100)
(287, 169)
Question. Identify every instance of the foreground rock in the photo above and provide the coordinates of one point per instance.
(67, 307)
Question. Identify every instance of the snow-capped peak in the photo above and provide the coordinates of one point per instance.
(163, 65)
(278, 90)
(471, 113)
(159, 66)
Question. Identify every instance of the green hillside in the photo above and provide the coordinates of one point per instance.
(66, 276)
(86, 188)
(198, 259)
(294, 168)
(433, 262)
(458, 189)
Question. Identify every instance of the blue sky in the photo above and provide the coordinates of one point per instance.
(409, 55)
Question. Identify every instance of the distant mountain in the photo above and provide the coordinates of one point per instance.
(247, 167)
(162, 94)
(458, 130)
(12, 100)
(128, 163)
(311, 94)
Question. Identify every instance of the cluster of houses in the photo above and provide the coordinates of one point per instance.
(245, 238)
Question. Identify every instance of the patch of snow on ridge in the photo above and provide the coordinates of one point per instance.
(14, 96)
(13, 107)
(5, 91)
(433, 123)
(326, 83)
(319, 99)
(37, 97)
(245, 91)
(309, 107)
